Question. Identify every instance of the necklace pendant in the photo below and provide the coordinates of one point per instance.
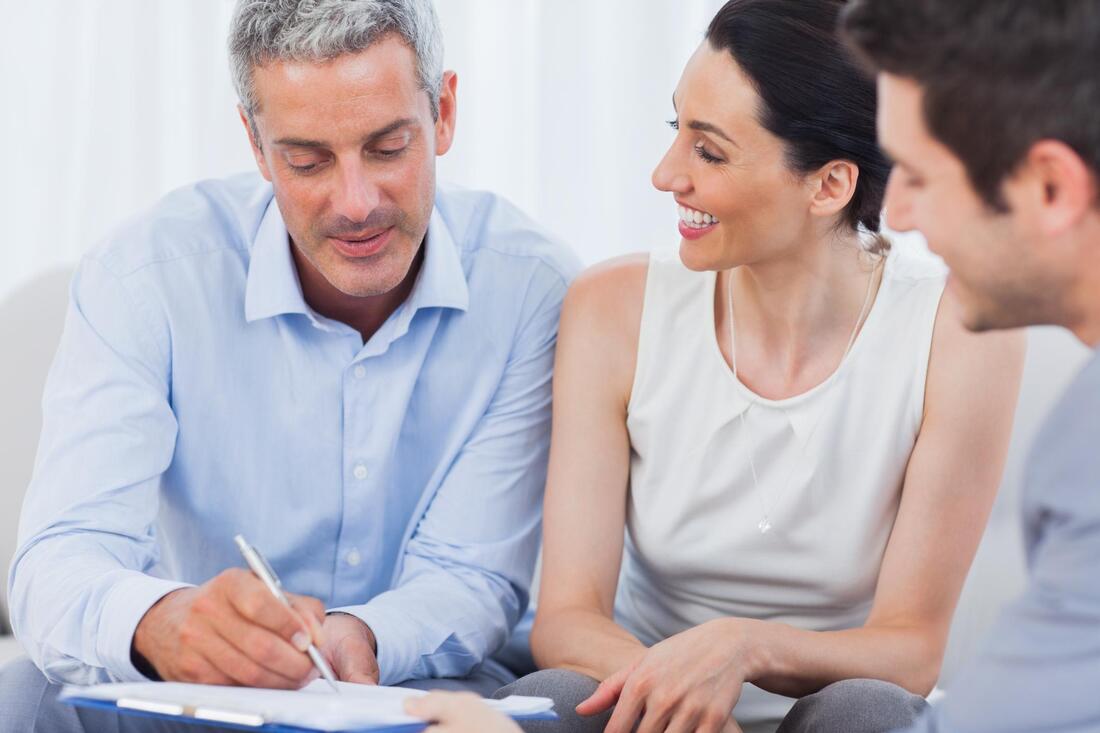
(764, 525)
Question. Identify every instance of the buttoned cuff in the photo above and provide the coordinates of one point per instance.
(398, 636)
(126, 604)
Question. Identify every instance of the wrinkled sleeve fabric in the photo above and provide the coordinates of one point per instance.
(466, 572)
(84, 570)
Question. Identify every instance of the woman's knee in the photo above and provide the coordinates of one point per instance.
(567, 689)
(858, 706)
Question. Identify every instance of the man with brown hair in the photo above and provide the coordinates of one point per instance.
(989, 109)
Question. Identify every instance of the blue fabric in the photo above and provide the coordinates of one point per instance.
(1040, 667)
(272, 727)
(196, 395)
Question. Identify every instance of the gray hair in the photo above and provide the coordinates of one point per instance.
(320, 30)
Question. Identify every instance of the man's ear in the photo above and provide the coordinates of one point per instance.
(448, 101)
(834, 185)
(257, 151)
(1062, 187)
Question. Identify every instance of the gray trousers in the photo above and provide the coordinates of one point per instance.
(28, 703)
(849, 706)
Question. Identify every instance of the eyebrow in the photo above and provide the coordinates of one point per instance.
(392, 127)
(894, 160)
(707, 127)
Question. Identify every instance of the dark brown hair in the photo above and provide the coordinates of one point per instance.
(997, 75)
(815, 95)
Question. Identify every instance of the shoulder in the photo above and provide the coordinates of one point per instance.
(608, 297)
(1064, 461)
(954, 345)
(485, 225)
(600, 325)
(972, 372)
(910, 262)
(201, 218)
(957, 357)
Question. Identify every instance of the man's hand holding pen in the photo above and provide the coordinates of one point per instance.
(231, 631)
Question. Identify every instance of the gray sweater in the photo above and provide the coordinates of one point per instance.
(1040, 667)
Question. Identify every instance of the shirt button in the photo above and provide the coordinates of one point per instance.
(360, 371)
(360, 471)
(353, 557)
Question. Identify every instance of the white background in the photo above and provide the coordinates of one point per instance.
(108, 104)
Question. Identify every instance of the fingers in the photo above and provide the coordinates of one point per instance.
(255, 602)
(653, 721)
(458, 712)
(443, 707)
(683, 721)
(731, 726)
(628, 709)
(606, 695)
(280, 664)
(234, 662)
(312, 612)
(696, 711)
(195, 668)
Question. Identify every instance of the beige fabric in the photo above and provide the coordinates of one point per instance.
(831, 491)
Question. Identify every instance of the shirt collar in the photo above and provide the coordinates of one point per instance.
(441, 282)
(273, 287)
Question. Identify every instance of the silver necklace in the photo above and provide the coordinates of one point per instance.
(765, 523)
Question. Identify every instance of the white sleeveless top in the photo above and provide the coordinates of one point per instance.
(694, 551)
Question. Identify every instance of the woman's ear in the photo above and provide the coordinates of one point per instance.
(834, 185)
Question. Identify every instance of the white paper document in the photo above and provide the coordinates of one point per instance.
(315, 706)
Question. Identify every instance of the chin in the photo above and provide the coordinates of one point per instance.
(368, 279)
(982, 311)
(696, 257)
(366, 287)
(987, 316)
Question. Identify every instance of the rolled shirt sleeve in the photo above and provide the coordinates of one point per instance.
(83, 573)
(466, 571)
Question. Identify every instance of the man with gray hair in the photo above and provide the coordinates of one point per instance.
(337, 358)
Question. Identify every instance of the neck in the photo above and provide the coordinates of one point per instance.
(794, 315)
(365, 314)
(1086, 326)
(1084, 292)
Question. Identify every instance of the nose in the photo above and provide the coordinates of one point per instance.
(355, 195)
(671, 173)
(899, 204)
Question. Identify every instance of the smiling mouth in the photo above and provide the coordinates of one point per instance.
(696, 219)
(361, 246)
(359, 239)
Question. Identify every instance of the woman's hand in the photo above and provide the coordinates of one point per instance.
(688, 682)
(458, 712)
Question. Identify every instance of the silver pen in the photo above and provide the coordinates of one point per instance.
(264, 572)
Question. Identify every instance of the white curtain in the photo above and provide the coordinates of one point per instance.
(109, 104)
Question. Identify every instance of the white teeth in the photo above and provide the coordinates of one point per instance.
(696, 219)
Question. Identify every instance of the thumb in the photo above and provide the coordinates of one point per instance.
(606, 695)
(353, 660)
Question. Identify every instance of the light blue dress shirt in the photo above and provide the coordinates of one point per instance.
(1039, 671)
(195, 395)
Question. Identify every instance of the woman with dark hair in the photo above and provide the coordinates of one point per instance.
(799, 441)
